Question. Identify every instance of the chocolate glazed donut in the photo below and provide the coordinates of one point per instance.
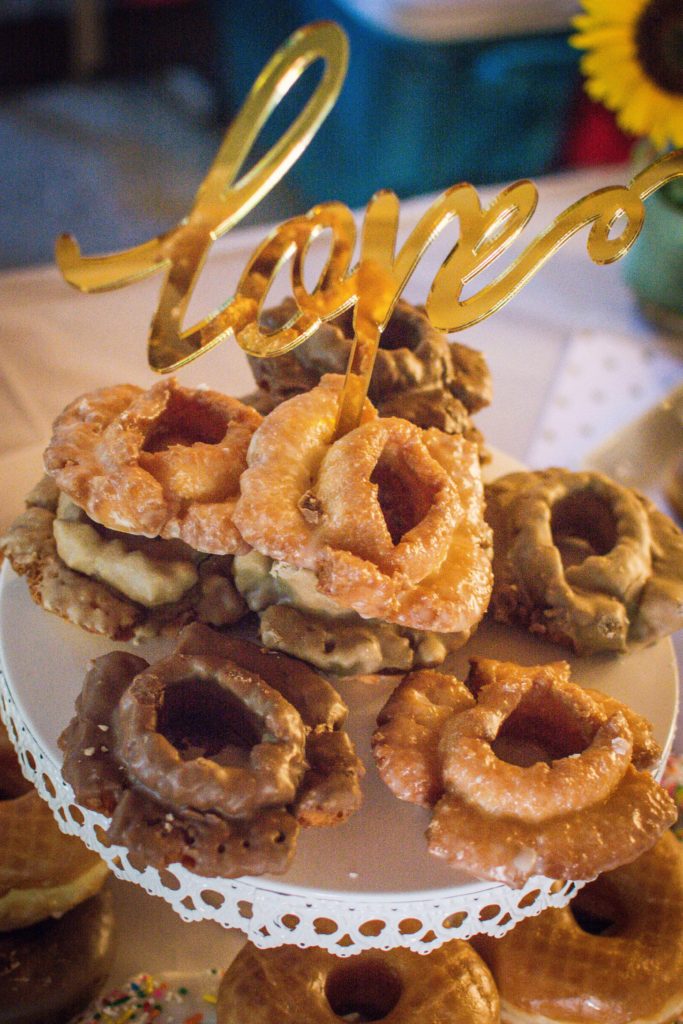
(212, 757)
(418, 375)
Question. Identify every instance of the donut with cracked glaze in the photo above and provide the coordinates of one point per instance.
(164, 462)
(492, 820)
(388, 518)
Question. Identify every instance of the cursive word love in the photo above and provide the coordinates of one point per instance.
(374, 284)
(221, 201)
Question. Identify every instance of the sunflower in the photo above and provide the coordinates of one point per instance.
(634, 63)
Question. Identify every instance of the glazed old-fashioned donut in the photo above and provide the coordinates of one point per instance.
(291, 985)
(405, 743)
(613, 956)
(384, 523)
(418, 374)
(575, 806)
(584, 561)
(43, 872)
(212, 757)
(50, 971)
(170, 583)
(165, 462)
(527, 773)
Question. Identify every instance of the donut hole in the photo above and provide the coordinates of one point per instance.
(186, 421)
(13, 785)
(12, 781)
(202, 719)
(365, 990)
(541, 728)
(582, 525)
(403, 496)
(597, 910)
(403, 332)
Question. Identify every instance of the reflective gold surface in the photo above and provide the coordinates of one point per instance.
(614, 215)
(221, 201)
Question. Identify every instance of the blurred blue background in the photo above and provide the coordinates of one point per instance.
(111, 110)
(416, 114)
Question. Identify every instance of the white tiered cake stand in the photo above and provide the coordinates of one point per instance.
(367, 884)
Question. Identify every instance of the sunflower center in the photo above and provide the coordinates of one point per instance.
(659, 43)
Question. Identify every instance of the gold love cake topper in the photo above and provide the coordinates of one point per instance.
(375, 283)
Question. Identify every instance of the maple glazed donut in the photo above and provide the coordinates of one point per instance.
(291, 985)
(43, 872)
(418, 374)
(613, 956)
(212, 757)
(583, 560)
(384, 524)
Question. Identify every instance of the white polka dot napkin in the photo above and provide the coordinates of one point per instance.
(604, 382)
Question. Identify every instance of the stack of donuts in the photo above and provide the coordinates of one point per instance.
(527, 773)
(418, 374)
(214, 755)
(183, 513)
(130, 532)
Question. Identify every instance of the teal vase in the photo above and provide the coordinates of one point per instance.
(653, 268)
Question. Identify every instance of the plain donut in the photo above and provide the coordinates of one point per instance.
(42, 871)
(550, 969)
(311, 986)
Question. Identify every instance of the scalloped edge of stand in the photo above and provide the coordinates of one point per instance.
(271, 918)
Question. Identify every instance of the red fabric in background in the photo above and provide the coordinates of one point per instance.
(594, 137)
